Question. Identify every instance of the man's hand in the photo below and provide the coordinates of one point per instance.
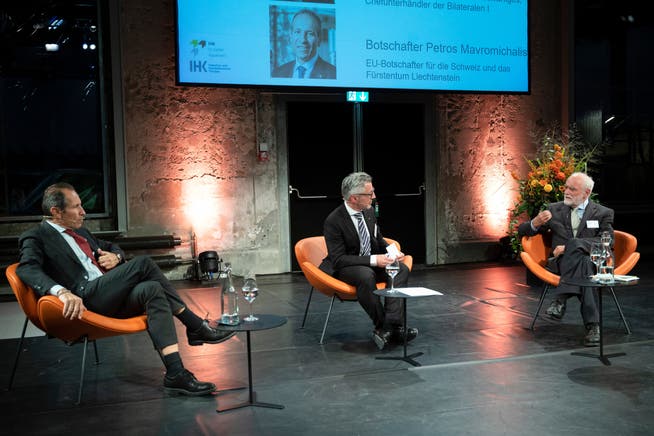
(541, 218)
(383, 260)
(73, 305)
(107, 259)
(558, 250)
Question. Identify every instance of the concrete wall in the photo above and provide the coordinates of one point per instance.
(191, 152)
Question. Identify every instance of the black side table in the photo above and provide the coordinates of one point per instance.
(601, 287)
(265, 322)
(399, 294)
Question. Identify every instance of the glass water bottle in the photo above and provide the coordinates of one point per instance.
(228, 298)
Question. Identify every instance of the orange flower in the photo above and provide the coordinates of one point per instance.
(534, 183)
(543, 182)
(561, 176)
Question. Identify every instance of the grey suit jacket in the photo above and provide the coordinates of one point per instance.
(343, 243)
(46, 259)
(596, 219)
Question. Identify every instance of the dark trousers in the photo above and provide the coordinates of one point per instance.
(575, 263)
(135, 287)
(365, 279)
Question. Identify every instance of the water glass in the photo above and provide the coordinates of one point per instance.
(250, 291)
(596, 255)
(392, 269)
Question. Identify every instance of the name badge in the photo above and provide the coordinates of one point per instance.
(592, 224)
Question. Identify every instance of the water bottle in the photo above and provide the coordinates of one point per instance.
(228, 298)
(608, 260)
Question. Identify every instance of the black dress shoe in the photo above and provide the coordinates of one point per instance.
(556, 309)
(207, 335)
(381, 337)
(398, 334)
(592, 337)
(185, 383)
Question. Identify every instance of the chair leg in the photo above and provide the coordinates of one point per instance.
(97, 356)
(306, 310)
(20, 346)
(81, 376)
(617, 304)
(329, 312)
(546, 288)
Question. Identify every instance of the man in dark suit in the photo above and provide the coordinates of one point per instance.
(574, 223)
(305, 40)
(357, 255)
(61, 258)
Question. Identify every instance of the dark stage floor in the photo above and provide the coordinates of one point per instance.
(482, 371)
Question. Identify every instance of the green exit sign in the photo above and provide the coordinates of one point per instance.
(357, 96)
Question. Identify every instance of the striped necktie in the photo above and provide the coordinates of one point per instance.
(364, 238)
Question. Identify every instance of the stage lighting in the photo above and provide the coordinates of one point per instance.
(209, 263)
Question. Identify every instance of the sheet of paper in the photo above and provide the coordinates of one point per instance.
(418, 291)
(392, 251)
(623, 278)
(606, 278)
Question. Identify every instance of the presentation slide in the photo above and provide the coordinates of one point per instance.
(464, 45)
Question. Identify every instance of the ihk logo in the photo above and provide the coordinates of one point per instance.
(198, 66)
(196, 46)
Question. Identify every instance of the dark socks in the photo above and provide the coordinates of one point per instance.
(173, 363)
(189, 319)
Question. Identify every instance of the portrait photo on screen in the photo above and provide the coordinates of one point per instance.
(302, 43)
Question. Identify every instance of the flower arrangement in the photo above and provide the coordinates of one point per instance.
(558, 155)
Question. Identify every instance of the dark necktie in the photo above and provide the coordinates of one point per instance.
(364, 238)
(84, 245)
(300, 71)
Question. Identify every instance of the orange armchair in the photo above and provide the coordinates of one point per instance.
(309, 253)
(536, 249)
(46, 314)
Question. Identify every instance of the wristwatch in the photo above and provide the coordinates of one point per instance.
(120, 258)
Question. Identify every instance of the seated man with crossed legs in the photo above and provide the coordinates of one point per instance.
(574, 223)
(357, 255)
(62, 258)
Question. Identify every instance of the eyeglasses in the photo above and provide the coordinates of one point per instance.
(364, 193)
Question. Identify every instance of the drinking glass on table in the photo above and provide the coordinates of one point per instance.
(596, 255)
(250, 291)
(392, 269)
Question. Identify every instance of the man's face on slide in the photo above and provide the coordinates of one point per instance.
(305, 37)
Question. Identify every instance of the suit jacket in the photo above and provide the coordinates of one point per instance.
(46, 259)
(343, 243)
(321, 70)
(560, 226)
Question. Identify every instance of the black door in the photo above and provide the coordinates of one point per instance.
(322, 149)
(394, 154)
